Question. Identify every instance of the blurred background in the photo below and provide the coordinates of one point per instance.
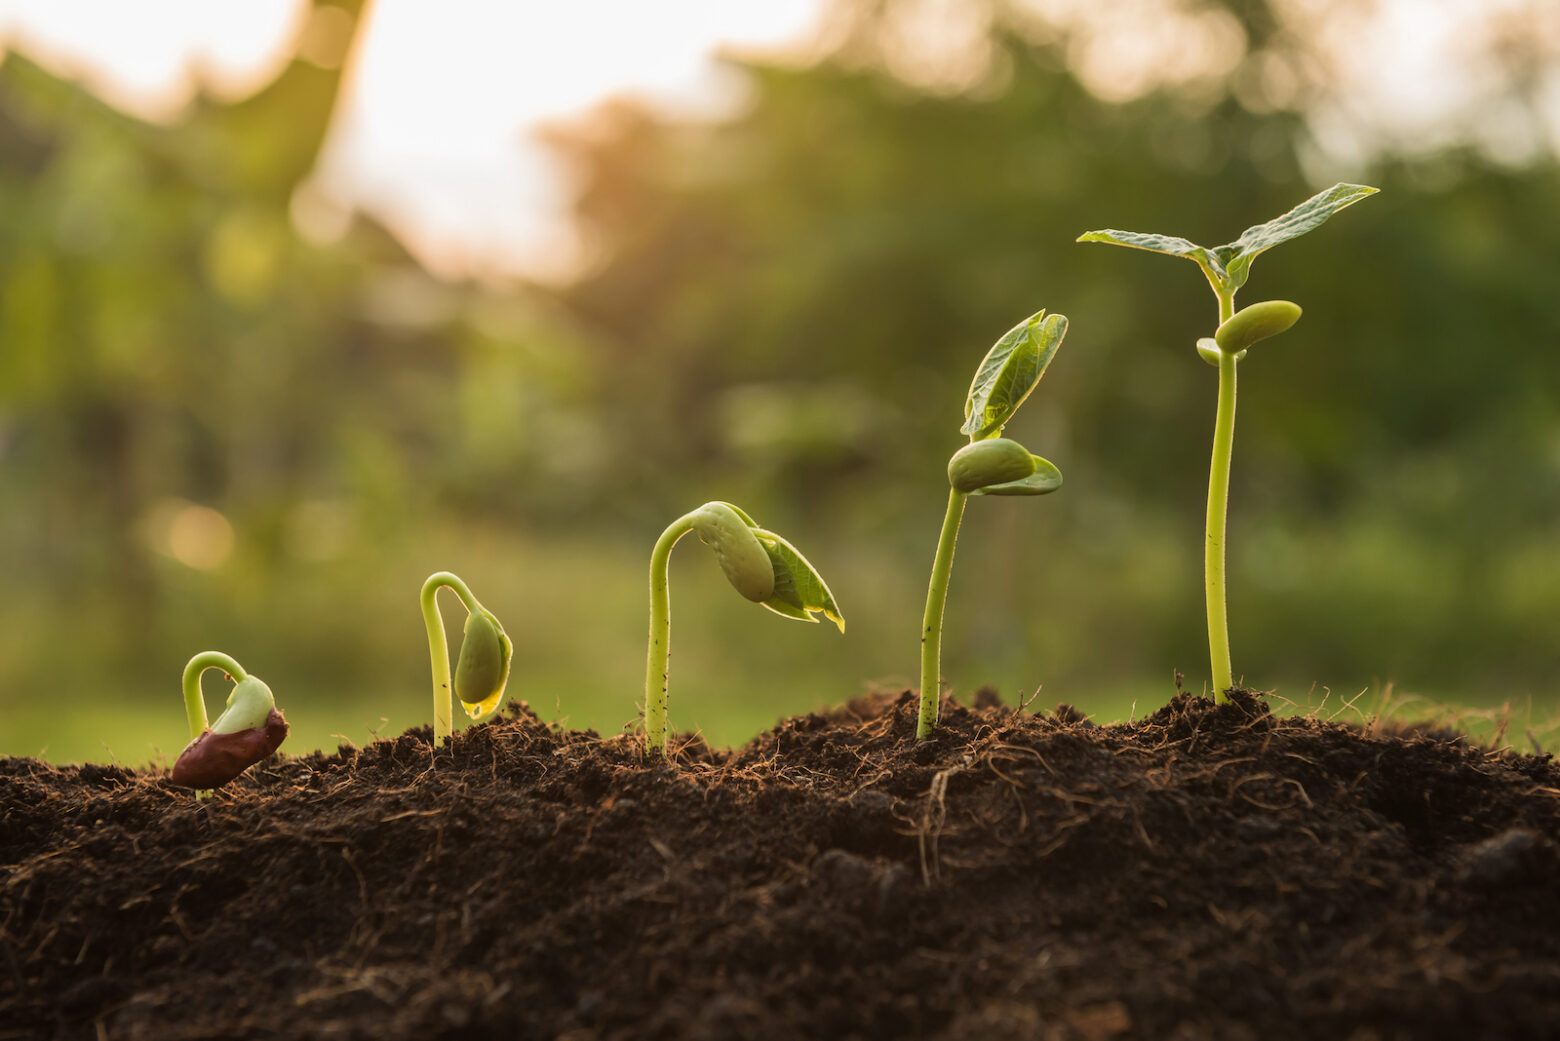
(300, 302)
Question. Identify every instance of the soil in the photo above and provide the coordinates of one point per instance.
(1211, 871)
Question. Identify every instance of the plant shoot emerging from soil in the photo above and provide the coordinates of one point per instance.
(989, 465)
(481, 671)
(249, 729)
(1227, 268)
(763, 567)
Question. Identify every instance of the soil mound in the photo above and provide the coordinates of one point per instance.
(1211, 871)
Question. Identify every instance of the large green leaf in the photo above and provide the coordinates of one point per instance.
(799, 589)
(1204, 257)
(1229, 265)
(1046, 478)
(1237, 256)
(1010, 370)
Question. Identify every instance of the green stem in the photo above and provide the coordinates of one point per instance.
(658, 659)
(1218, 513)
(438, 648)
(194, 704)
(931, 626)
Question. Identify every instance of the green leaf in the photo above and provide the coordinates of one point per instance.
(1046, 478)
(1205, 258)
(247, 707)
(1010, 370)
(1228, 266)
(1237, 256)
(799, 589)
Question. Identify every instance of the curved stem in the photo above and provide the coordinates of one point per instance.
(438, 648)
(931, 626)
(658, 659)
(1218, 512)
(194, 704)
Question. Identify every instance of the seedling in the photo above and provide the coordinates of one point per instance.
(989, 465)
(481, 671)
(1226, 268)
(249, 729)
(763, 567)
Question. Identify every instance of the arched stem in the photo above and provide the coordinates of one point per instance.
(658, 659)
(194, 704)
(438, 648)
(931, 626)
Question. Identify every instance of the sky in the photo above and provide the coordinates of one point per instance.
(435, 132)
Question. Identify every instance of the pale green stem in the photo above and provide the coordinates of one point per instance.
(931, 626)
(438, 649)
(1218, 511)
(194, 704)
(658, 659)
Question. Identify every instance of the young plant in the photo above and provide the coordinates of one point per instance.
(762, 566)
(1226, 268)
(989, 465)
(249, 729)
(481, 671)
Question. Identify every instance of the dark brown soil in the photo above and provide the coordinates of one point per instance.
(1208, 872)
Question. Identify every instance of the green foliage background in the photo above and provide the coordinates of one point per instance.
(784, 311)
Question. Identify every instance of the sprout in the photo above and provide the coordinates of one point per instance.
(482, 669)
(1227, 267)
(249, 729)
(759, 564)
(989, 465)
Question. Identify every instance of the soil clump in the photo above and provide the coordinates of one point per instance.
(1207, 872)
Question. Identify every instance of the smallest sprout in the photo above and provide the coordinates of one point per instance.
(249, 729)
(486, 653)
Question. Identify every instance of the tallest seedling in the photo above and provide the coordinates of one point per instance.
(1226, 268)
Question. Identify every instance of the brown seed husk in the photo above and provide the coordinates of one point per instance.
(212, 760)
